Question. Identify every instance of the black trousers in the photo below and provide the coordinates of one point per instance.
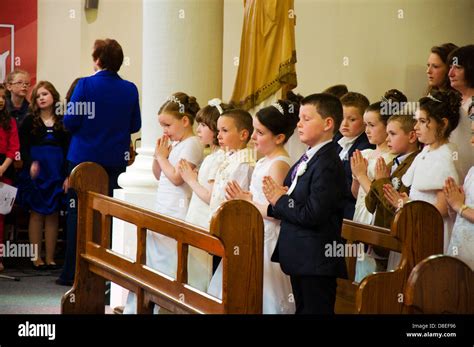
(314, 294)
(69, 267)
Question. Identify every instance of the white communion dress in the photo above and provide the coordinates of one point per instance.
(462, 238)
(277, 292)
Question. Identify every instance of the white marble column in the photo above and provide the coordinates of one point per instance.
(182, 51)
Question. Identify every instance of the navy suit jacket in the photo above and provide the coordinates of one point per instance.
(361, 143)
(311, 218)
(106, 112)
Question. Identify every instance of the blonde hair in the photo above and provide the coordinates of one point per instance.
(11, 76)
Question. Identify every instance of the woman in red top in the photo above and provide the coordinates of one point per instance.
(9, 150)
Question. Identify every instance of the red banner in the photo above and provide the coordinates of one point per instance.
(18, 37)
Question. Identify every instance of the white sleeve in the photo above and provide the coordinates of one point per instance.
(432, 172)
(193, 153)
(468, 177)
(216, 162)
(242, 175)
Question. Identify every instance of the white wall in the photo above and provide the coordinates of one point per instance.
(59, 42)
(66, 35)
(383, 50)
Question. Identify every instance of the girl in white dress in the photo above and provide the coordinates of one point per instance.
(176, 118)
(363, 169)
(199, 210)
(273, 126)
(437, 117)
(200, 262)
(363, 162)
(461, 200)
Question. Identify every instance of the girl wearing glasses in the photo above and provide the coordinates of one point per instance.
(18, 83)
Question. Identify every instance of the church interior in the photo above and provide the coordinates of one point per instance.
(342, 142)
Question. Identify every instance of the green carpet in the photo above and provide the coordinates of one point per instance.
(35, 293)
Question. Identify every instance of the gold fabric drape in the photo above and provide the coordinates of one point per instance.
(267, 52)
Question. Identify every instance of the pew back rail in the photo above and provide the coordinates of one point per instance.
(236, 235)
(416, 232)
(440, 284)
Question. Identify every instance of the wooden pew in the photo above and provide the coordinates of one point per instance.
(440, 284)
(236, 235)
(416, 232)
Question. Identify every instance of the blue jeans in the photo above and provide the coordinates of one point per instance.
(69, 267)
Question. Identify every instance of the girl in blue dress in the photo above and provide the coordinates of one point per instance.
(43, 181)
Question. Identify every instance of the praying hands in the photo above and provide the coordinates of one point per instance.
(381, 169)
(163, 148)
(273, 192)
(187, 172)
(454, 194)
(358, 165)
(396, 199)
(234, 191)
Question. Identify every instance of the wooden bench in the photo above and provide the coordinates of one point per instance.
(440, 284)
(416, 232)
(236, 235)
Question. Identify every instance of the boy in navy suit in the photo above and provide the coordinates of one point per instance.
(351, 136)
(311, 209)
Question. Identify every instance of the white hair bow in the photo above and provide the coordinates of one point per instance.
(216, 103)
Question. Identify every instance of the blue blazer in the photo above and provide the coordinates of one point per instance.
(311, 218)
(103, 112)
(361, 143)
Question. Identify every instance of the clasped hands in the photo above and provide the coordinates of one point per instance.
(187, 172)
(272, 191)
(358, 165)
(163, 148)
(455, 195)
(381, 169)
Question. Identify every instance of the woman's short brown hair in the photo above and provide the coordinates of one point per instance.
(110, 54)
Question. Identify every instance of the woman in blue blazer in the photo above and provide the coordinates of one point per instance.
(102, 114)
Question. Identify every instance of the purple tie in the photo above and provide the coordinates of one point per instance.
(295, 169)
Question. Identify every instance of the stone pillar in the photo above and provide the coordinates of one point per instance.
(182, 51)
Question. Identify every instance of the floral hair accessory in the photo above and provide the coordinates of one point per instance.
(174, 99)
